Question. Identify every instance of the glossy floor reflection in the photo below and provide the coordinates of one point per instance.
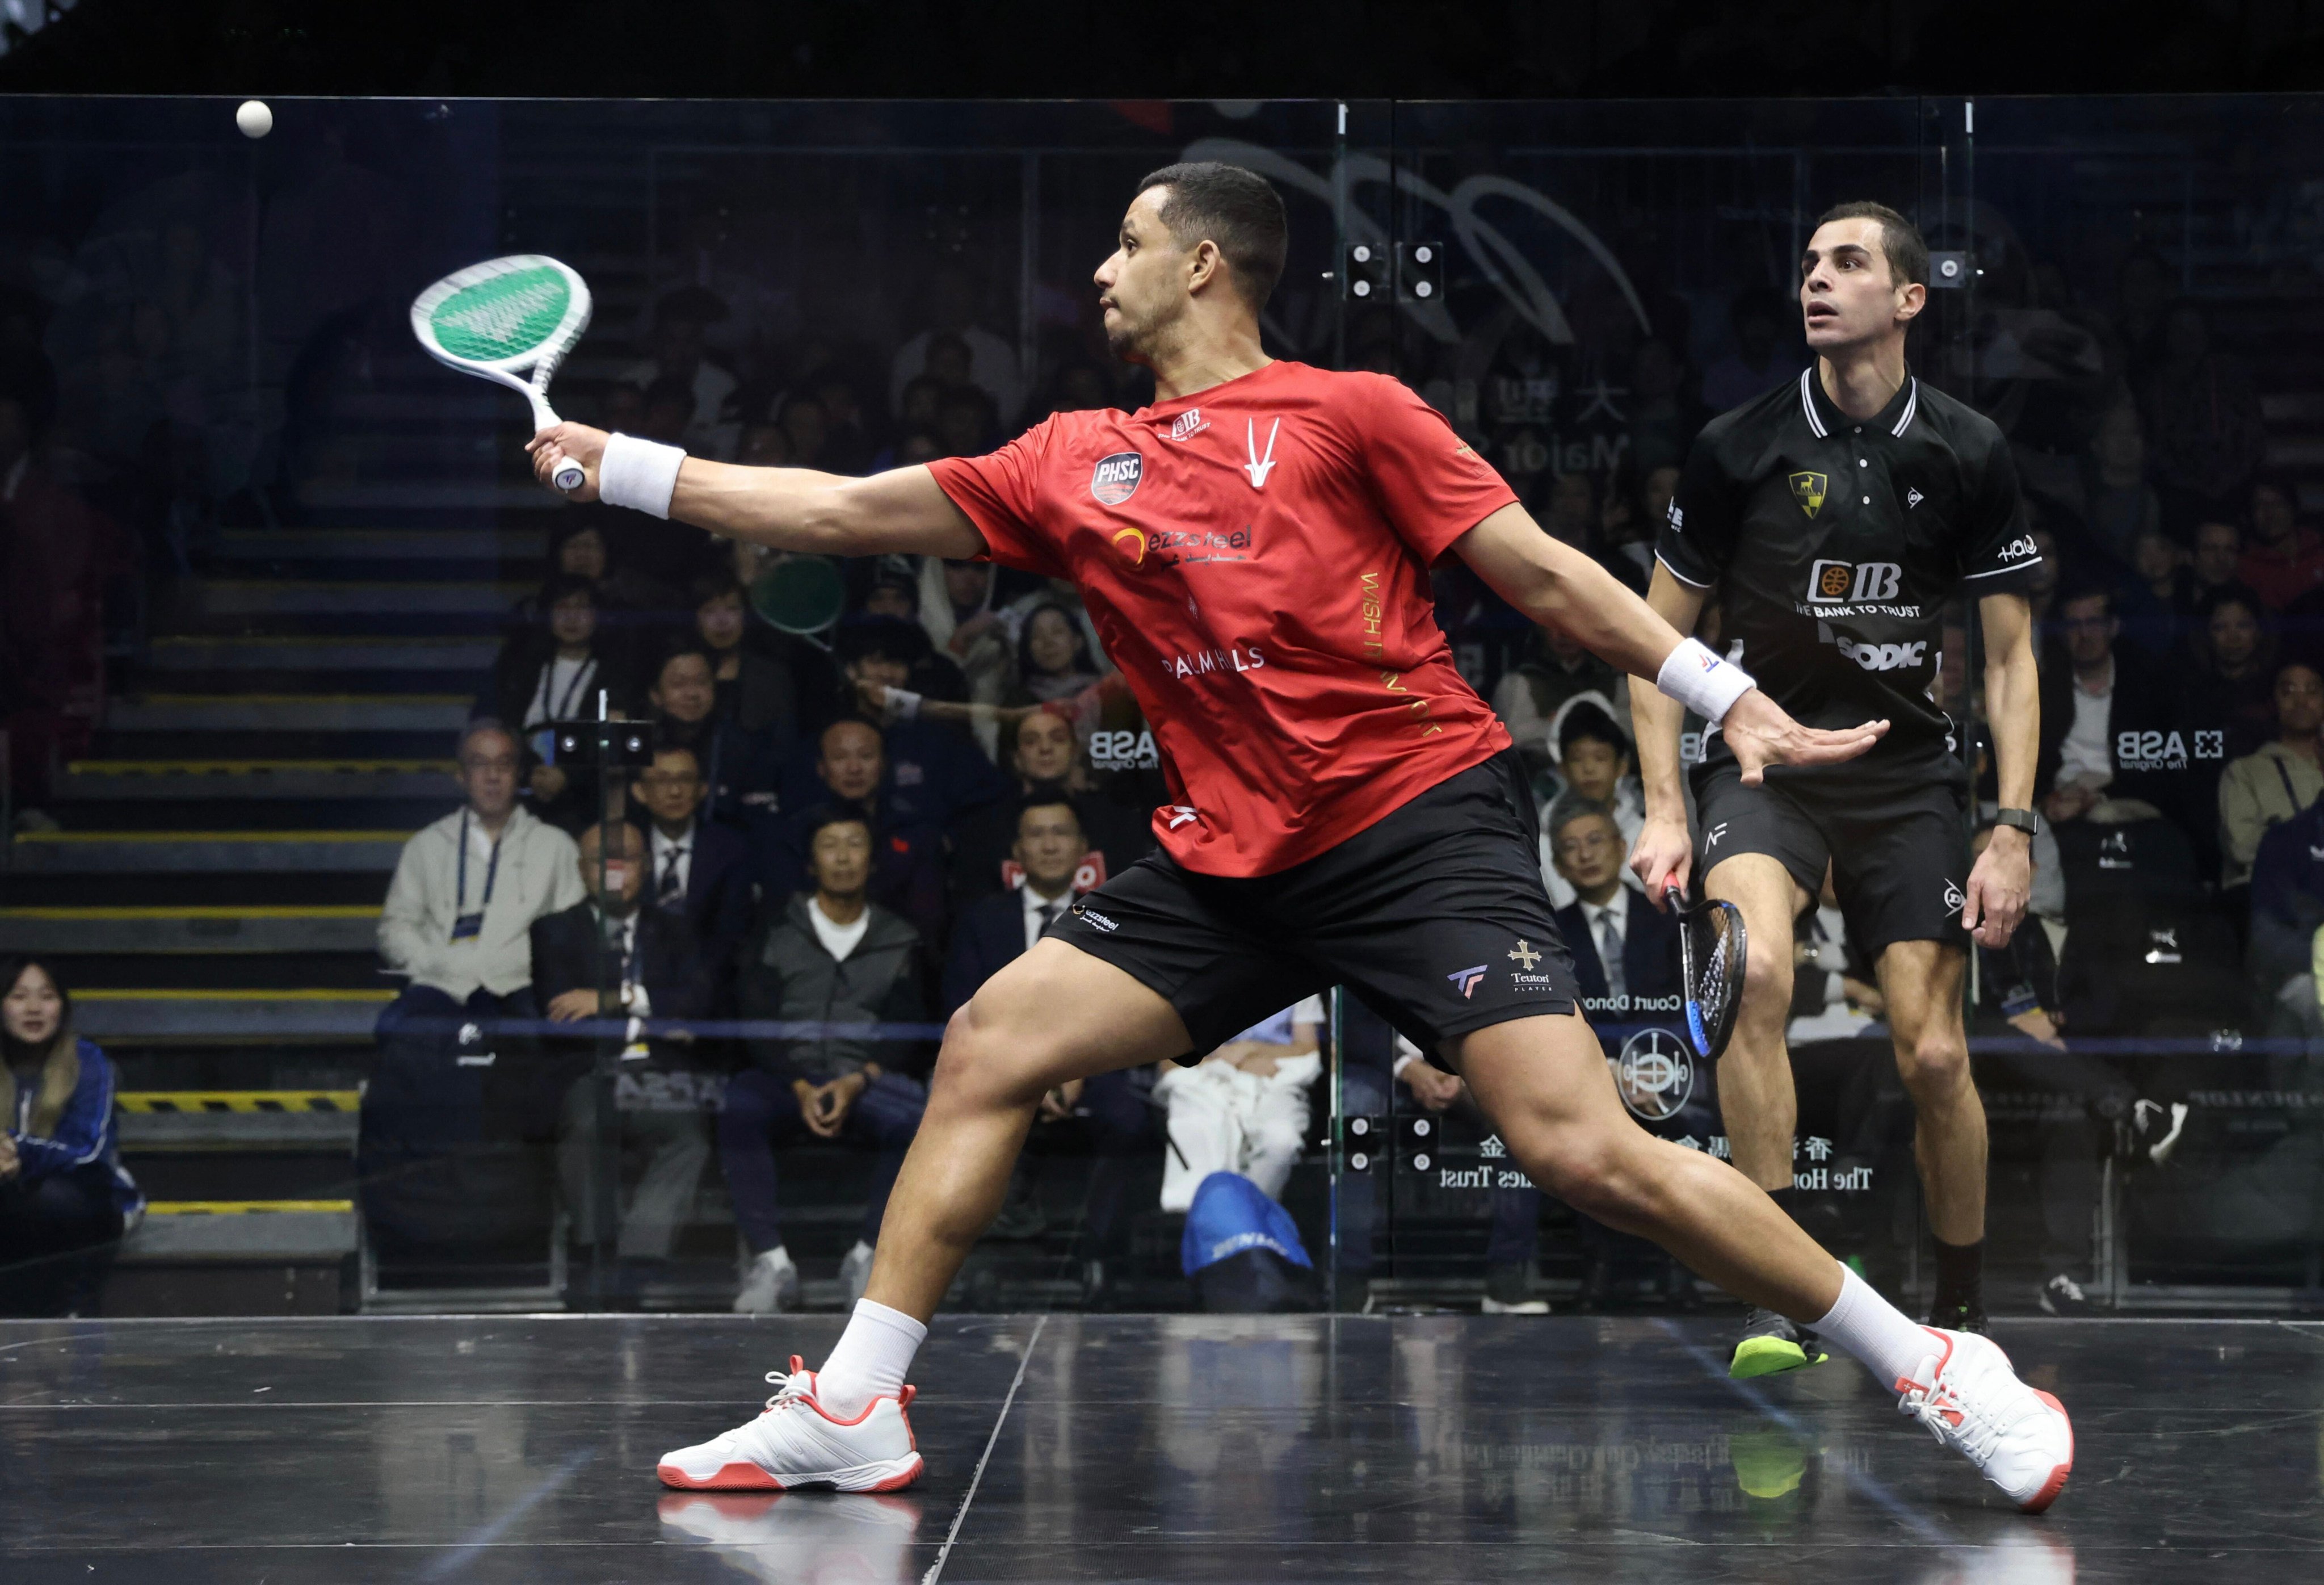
(1149, 1448)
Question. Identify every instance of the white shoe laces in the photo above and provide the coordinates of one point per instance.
(1951, 1419)
(791, 1387)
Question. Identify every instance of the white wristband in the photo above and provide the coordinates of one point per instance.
(903, 705)
(1701, 681)
(639, 474)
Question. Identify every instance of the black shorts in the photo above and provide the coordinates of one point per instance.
(1435, 916)
(1895, 836)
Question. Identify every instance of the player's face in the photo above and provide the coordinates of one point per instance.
(1142, 287)
(1049, 844)
(1588, 852)
(1847, 297)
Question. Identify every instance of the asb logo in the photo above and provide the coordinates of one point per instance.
(1467, 980)
(1115, 479)
(1655, 1073)
(1808, 489)
(1834, 583)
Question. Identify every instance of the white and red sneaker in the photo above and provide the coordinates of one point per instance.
(796, 1441)
(1971, 1401)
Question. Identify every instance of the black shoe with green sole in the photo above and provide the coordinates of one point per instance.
(1771, 1344)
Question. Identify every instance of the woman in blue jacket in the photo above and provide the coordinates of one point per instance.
(64, 1198)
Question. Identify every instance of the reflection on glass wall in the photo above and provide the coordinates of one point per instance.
(421, 893)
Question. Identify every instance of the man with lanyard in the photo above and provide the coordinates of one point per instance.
(1837, 515)
(1346, 809)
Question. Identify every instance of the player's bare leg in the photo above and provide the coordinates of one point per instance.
(1921, 983)
(1054, 1016)
(1755, 1098)
(1542, 1084)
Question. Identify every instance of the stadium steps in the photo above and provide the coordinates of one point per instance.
(190, 932)
(148, 1016)
(183, 653)
(310, 780)
(104, 852)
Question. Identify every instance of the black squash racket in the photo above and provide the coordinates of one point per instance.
(1712, 948)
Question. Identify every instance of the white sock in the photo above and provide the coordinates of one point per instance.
(872, 1356)
(1874, 1330)
(778, 1256)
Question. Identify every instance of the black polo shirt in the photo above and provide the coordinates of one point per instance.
(1835, 544)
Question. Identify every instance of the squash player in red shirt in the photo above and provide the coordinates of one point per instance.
(1254, 548)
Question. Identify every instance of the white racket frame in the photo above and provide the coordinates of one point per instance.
(542, 361)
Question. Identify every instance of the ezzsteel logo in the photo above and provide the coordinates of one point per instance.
(1115, 479)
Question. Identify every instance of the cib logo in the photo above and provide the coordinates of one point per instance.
(1833, 583)
(1655, 1073)
(1115, 479)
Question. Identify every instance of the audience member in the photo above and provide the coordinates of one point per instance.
(1593, 761)
(700, 871)
(1765, 322)
(2113, 499)
(680, 320)
(956, 611)
(2230, 685)
(2287, 908)
(934, 772)
(2276, 781)
(2156, 603)
(610, 962)
(838, 961)
(951, 312)
(556, 675)
(1663, 417)
(802, 420)
(851, 772)
(64, 1197)
(846, 441)
(1042, 756)
(459, 916)
(1052, 660)
(1555, 669)
(2087, 704)
(2281, 561)
(1243, 1108)
(738, 767)
(756, 689)
(2218, 560)
(999, 927)
(1622, 945)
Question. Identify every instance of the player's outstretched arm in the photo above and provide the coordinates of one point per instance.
(1664, 855)
(790, 508)
(1559, 587)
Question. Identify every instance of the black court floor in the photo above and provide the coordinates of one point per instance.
(1132, 1448)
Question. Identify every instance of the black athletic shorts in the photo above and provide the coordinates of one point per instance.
(1895, 836)
(1435, 916)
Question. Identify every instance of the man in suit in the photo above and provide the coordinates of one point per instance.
(696, 870)
(851, 772)
(1622, 946)
(1624, 950)
(995, 931)
(609, 961)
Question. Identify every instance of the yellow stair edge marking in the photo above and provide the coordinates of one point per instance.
(179, 838)
(240, 1207)
(512, 587)
(286, 911)
(233, 995)
(199, 698)
(167, 1101)
(165, 767)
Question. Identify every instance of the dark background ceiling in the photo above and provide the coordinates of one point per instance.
(1196, 49)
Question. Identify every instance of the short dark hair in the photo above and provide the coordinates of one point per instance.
(839, 812)
(1586, 722)
(561, 586)
(1570, 807)
(1050, 796)
(1900, 239)
(2089, 590)
(714, 585)
(1238, 210)
(686, 644)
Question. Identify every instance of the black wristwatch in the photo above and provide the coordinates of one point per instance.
(2025, 819)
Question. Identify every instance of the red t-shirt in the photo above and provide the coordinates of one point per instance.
(1256, 558)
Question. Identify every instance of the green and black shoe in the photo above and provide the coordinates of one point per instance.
(1771, 1344)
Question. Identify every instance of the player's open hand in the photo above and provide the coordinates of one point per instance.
(1999, 885)
(558, 441)
(1662, 856)
(1761, 734)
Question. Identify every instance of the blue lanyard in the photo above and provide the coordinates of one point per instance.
(491, 871)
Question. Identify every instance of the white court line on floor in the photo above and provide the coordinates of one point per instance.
(944, 1552)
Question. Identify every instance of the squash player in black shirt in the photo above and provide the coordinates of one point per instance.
(1837, 516)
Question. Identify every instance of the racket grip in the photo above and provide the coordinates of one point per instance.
(569, 476)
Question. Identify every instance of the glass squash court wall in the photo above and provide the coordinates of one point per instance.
(263, 560)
